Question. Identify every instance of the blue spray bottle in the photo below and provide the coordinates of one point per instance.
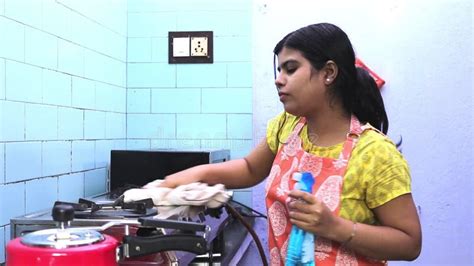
(301, 243)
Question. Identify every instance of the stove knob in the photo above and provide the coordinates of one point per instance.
(63, 213)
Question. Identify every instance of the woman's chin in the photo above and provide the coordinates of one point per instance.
(292, 111)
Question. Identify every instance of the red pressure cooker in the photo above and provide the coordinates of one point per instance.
(63, 246)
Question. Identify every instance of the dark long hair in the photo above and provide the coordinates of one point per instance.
(353, 86)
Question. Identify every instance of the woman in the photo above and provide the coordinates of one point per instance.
(362, 211)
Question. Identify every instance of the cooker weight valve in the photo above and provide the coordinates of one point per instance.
(63, 215)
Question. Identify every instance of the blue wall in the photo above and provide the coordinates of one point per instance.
(190, 106)
(79, 78)
(62, 101)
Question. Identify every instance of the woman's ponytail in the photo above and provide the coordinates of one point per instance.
(368, 103)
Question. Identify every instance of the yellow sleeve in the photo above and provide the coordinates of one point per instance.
(278, 130)
(390, 175)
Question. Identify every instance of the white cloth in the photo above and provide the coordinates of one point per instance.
(184, 201)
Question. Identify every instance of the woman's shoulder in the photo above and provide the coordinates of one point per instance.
(372, 136)
(283, 122)
(379, 146)
(279, 128)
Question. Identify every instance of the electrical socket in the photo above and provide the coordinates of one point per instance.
(199, 46)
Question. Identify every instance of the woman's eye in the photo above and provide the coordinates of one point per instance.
(291, 70)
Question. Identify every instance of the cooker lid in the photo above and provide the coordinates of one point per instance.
(62, 238)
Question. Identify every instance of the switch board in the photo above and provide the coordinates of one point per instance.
(190, 47)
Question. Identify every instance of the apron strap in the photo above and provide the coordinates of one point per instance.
(355, 130)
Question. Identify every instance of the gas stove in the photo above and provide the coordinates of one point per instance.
(174, 241)
(143, 239)
(116, 209)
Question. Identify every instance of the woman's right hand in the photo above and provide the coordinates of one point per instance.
(190, 175)
(160, 183)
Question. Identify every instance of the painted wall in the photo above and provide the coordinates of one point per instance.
(190, 106)
(423, 49)
(62, 101)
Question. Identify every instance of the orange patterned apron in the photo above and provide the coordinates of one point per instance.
(329, 176)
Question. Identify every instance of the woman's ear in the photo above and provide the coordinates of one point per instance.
(330, 72)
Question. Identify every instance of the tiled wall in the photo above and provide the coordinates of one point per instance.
(62, 101)
(79, 78)
(190, 106)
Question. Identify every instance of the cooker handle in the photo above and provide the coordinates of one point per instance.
(173, 224)
(137, 246)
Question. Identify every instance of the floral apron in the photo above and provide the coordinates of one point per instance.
(329, 176)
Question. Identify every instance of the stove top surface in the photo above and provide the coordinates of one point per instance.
(110, 209)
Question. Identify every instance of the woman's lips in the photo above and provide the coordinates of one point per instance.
(282, 95)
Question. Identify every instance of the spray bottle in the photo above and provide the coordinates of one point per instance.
(301, 243)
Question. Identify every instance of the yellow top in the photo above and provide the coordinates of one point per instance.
(376, 172)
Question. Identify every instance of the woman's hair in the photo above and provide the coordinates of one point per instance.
(353, 87)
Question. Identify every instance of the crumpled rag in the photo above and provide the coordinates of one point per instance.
(182, 201)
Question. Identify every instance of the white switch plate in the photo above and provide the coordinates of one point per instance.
(181, 46)
(199, 46)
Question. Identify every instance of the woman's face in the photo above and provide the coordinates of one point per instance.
(300, 87)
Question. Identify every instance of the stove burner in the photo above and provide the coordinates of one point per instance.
(118, 191)
(118, 209)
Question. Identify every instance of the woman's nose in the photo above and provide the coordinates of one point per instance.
(279, 81)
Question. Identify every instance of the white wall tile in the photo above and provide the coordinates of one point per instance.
(115, 125)
(70, 123)
(41, 49)
(83, 93)
(102, 152)
(95, 182)
(41, 194)
(2, 163)
(12, 127)
(71, 187)
(41, 122)
(56, 88)
(70, 58)
(110, 98)
(12, 201)
(94, 125)
(25, 11)
(56, 157)
(18, 87)
(2, 240)
(20, 154)
(12, 39)
(2, 78)
(138, 101)
(83, 155)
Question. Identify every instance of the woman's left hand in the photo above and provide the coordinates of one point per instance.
(310, 214)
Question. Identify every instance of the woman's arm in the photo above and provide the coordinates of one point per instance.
(238, 173)
(397, 237)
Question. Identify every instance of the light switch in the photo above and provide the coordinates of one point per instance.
(198, 46)
(181, 46)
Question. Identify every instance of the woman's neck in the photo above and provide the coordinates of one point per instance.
(328, 128)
